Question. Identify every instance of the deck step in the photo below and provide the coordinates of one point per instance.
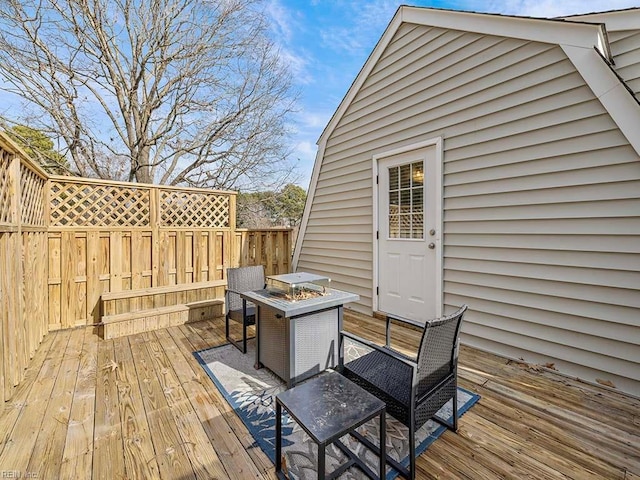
(205, 309)
(144, 310)
(157, 297)
(122, 324)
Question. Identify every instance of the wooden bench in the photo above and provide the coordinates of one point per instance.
(135, 311)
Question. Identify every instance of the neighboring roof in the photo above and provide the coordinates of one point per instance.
(616, 20)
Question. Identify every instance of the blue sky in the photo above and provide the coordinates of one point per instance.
(326, 42)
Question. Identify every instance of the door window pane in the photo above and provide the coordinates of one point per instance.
(417, 174)
(405, 176)
(405, 226)
(417, 204)
(406, 201)
(393, 203)
(417, 226)
(394, 226)
(393, 178)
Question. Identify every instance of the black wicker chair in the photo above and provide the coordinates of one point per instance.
(413, 389)
(239, 280)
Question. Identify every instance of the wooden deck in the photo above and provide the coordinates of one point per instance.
(142, 407)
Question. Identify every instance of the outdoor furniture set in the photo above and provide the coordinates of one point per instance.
(299, 336)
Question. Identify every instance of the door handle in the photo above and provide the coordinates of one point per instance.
(432, 245)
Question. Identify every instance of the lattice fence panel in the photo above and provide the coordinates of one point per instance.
(31, 192)
(190, 209)
(75, 204)
(5, 187)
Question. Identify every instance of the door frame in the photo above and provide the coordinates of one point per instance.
(437, 239)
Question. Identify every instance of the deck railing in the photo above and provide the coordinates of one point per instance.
(64, 241)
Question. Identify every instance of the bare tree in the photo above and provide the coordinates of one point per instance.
(181, 92)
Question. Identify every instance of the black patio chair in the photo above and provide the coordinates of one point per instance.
(240, 280)
(413, 389)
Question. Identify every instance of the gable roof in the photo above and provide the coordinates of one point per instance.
(570, 33)
(582, 38)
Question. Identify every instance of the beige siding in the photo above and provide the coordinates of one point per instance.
(541, 196)
(625, 48)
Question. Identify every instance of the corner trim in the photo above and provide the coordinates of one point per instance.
(609, 89)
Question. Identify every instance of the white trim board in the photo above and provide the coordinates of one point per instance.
(555, 31)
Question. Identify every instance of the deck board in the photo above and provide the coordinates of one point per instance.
(78, 448)
(205, 463)
(139, 454)
(214, 413)
(46, 457)
(30, 420)
(108, 448)
(10, 411)
(142, 407)
(171, 455)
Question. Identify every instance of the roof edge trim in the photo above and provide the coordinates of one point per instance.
(556, 31)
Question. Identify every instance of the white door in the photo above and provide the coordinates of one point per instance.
(409, 247)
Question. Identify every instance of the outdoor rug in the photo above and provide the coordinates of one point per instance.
(252, 393)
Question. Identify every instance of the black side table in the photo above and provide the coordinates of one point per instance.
(328, 407)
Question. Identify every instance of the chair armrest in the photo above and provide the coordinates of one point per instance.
(407, 321)
(240, 293)
(387, 351)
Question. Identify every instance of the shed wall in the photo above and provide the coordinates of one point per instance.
(541, 197)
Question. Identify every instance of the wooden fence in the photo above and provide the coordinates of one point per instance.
(23, 264)
(64, 241)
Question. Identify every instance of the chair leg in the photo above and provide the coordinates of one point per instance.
(412, 451)
(453, 423)
(240, 346)
(455, 409)
(244, 337)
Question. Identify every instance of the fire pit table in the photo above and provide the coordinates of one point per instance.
(298, 320)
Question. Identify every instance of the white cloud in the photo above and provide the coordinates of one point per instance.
(282, 20)
(297, 64)
(305, 150)
(364, 24)
(283, 23)
(314, 121)
(341, 40)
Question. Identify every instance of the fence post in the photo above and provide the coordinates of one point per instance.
(154, 223)
(233, 246)
(16, 308)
